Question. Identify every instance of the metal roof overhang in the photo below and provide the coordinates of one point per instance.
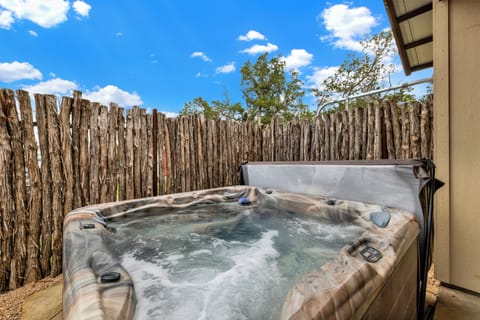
(412, 27)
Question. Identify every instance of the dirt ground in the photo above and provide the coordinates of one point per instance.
(11, 302)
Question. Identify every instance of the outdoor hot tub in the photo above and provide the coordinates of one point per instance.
(241, 252)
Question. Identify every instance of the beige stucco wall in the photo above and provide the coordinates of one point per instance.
(457, 141)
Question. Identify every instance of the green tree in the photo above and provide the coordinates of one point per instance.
(217, 109)
(362, 72)
(269, 90)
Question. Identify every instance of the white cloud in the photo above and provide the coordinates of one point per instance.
(347, 25)
(52, 75)
(10, 72)
(258, 48)
(319, 75)
(169, 114)
(32, 33)
(251, 35)
(226, 68)
(81, 8)
(201, 55)
(54, 86)
(298, 58)
(111, 93)
(201, 75)
(6, 19)
(45, 13)
(118, 34)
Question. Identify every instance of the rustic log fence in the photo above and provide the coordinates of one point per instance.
(91, 154)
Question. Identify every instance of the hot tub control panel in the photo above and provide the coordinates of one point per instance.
(371, 254)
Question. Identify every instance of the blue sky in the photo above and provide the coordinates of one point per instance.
(161, 54)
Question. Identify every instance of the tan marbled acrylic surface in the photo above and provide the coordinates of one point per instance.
(341, 289)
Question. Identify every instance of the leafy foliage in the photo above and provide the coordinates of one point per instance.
(269, 90)
(362, 72)
(217, 109)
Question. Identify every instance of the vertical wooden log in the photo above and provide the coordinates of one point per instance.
(276, 138)
(397, 130)
(57, 179)
(189, 147)
(34, 200)
(172, 163)
(149, 168)
(377, 141)
(66, 140)
(285, 139)
(192, 172)
(316, 139)
(357, 152)
(111, 153)
(155, 136)
(221, 152)
(210, 155)
(129, 181)
(265, 140)
(76, 117)
(199, 127)
(271, 142)
(94, 153)
(121, 155)
(144, 153)
(84, 164)
(321, 138)
(6, 200)
(46, 225)
(161, 153)
(160, 122)
(327, 138)
(298, 138)
(405, 132)
(204, 124)
(137, 152)
(180, 156)
(308, 138)
(425, 131)
(388, 129)
(216, 151)
(238, 151)
(231, 146)
(339, 135)
(224, 152)
(415, 130)
(370, 131)
(183, 150)
(332, 135)
(18, 261)
(170, 178)
(255, 141)
(351, 134)
(302, 141)
(103, 156)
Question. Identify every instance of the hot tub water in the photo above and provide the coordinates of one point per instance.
(221, 261)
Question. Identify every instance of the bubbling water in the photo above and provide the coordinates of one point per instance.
(222, 261)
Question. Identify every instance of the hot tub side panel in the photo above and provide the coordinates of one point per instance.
(349, 287)
(95, 285)
(397, 299)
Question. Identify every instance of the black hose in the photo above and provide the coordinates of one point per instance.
(421, 312)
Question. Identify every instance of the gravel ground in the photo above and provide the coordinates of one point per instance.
(11, 302)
